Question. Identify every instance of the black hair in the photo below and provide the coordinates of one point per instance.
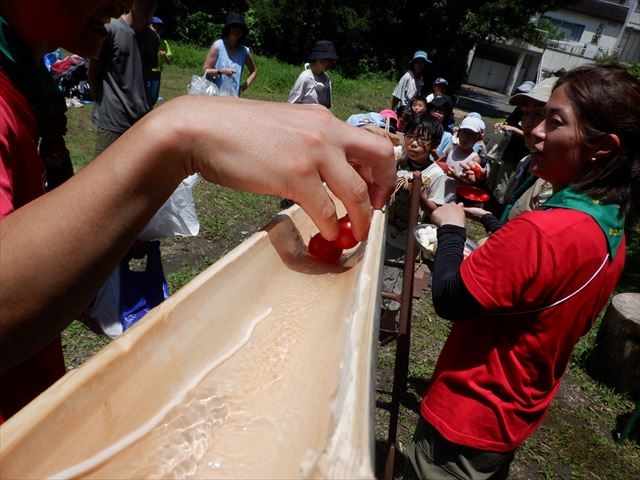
(425, 125)
(419, 97)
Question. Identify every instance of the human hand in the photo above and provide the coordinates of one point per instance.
(472, 171)
(287, 150)
(475, 212)
(449, 214)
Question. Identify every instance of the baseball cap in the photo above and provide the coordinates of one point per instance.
(539, 93)
(472, 123)
(156, 21)
(440, 81)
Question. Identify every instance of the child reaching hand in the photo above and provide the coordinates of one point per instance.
(463, 162)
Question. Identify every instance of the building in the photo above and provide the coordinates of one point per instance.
(593, 29)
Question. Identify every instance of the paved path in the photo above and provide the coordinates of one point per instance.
(486, 102)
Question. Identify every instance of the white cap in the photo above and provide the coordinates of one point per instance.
(472, 123)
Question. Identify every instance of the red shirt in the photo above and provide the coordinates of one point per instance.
(21, 180)
(497, 374)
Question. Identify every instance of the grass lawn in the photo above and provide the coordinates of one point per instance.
(574, 442)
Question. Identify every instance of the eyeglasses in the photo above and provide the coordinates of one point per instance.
(422, 141)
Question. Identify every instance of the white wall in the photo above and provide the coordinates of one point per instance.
(609, 35)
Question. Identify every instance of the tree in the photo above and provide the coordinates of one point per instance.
(382, 36)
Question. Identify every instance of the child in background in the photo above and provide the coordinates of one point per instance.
(422, 134)
(463, 162)
(439, 88)
(418, 104)
(404, 113)
(391, 118)
(441, 108)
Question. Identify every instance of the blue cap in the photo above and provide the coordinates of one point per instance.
(421, 54)
(371, 118)
(156, 21)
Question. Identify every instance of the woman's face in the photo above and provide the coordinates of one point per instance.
(235, 34)
(418, 65)
(325, 63)
(558, 154)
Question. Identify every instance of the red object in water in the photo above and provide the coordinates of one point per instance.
(345, 238)
(469, 195)
(324, 250)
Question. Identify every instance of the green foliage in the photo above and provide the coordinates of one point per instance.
(606, 57)
(634, 69)
(185, 55)
(550, 29)
(370, 37)
(198, 28)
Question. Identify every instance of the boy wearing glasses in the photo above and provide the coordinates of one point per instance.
(421, 137)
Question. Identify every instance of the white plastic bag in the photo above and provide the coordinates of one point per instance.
(177, 216)
(228, 87)
(202, 86)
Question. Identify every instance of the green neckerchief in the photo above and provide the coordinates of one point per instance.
(608, 216)
(45, 98)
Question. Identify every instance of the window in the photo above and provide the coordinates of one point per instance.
(569, 31)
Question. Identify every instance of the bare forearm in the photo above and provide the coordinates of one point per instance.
(57, 251)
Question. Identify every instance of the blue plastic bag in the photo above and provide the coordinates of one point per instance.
(140, 291)
(128, 295)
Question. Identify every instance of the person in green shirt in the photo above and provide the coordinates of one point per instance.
(164, 56)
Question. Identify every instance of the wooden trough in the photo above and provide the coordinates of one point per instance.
(263, 366)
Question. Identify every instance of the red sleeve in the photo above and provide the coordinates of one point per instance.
(6, 183)
(21, 170)
(513, 267)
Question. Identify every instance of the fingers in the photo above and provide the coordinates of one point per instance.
(359, 169)
(288, 150)
(373, 152)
